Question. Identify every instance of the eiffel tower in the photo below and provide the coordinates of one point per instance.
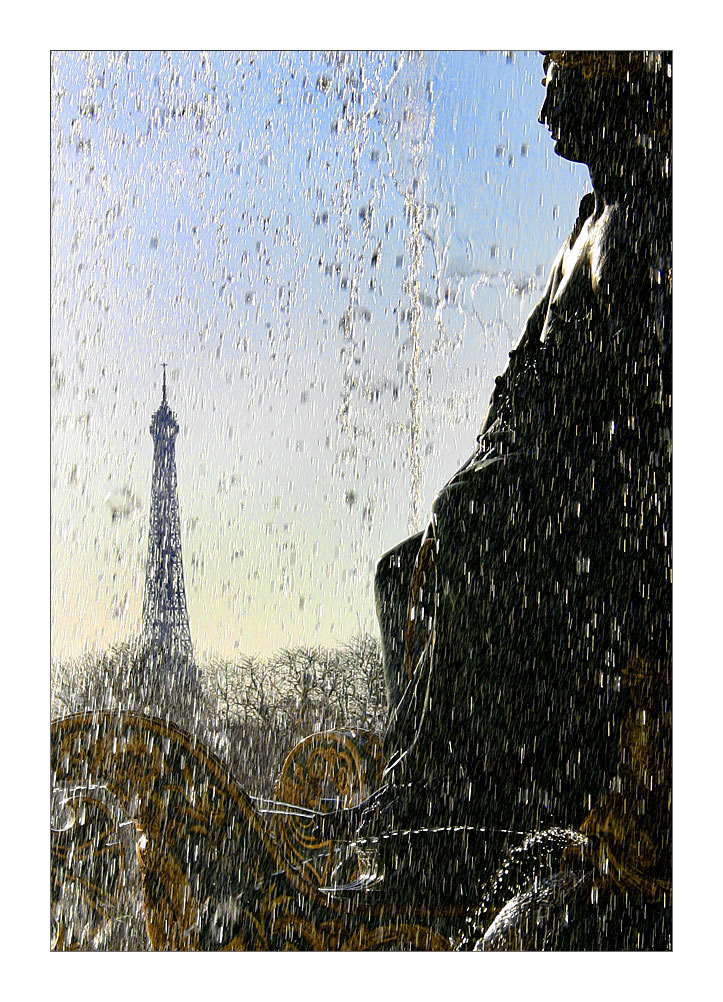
(165, 628)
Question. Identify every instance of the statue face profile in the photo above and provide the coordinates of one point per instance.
(570, 112)
(607, 106)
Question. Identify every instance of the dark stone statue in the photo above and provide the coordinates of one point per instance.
(508, 627)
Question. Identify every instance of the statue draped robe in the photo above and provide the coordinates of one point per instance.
(545, 569)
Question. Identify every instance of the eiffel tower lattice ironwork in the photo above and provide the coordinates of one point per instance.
(165, 616)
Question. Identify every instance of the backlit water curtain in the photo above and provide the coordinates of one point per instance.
(318, 263)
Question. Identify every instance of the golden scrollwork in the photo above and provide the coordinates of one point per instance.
(328, 770)
(87, 857)
(214, 875)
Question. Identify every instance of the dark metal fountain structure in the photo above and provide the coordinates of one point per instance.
(165, 616)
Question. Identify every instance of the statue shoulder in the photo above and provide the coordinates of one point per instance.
(536, 320)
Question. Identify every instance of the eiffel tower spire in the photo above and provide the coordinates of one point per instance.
(165, 617)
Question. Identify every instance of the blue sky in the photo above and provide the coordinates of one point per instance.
(250, 219)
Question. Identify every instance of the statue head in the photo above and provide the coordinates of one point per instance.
(603, 106)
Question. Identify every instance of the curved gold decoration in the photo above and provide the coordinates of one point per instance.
(629, 856)
(325, 771)
(627, 823)
(86, 856)
(214, 876)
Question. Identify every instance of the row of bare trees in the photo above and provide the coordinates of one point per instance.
(250, 710)
(304, 688)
